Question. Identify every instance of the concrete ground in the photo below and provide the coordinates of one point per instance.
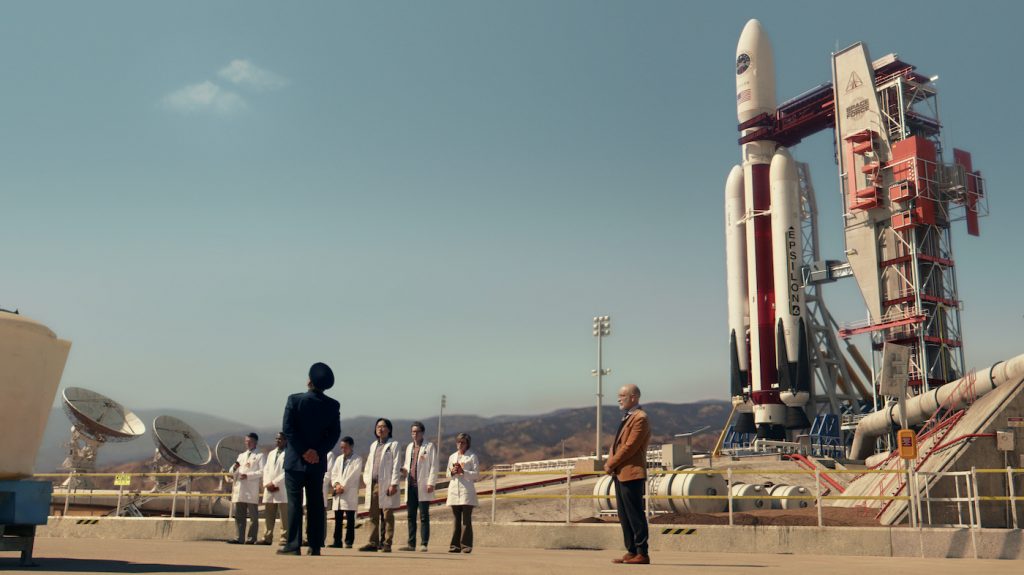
(59, 555)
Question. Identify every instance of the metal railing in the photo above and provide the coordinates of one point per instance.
(967, 498)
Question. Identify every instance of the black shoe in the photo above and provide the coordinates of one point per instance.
(336, 545)
(454, 550)
(287, 551)
(263, 543)
(368, 548)
(233, 542)
(313, 551)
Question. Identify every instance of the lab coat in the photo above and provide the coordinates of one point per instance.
(387, 474)
(250, 464)
(426, 469)
(347, 472)
(273, 472)
(461, 490)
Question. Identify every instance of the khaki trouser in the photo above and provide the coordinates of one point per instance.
(380, 535)
(273, 511)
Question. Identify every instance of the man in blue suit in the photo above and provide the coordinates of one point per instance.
(312, 426)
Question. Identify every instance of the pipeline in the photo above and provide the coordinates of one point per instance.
(921, 407)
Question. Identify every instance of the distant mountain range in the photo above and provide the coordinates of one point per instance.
(499, 439)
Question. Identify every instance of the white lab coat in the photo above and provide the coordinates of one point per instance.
(347, 472)
(327, 480)
(250, 464)
(426, 468)
(273, 472)
(461, 490)
(387, 474)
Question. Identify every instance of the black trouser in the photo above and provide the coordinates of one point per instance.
(295, 482)
(462, 537)
(252, 512)
(629, 502)
(350, 526)
(414, 506)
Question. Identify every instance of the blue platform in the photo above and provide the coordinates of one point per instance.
(25, 502)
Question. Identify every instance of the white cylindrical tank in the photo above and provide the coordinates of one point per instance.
(789, 491)
(605, 490)
(32, 361)
(746, 490)
(688, 485)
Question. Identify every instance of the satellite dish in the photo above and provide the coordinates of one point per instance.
(179, 443)
(95, 419)
(228, 449)
(100, 418)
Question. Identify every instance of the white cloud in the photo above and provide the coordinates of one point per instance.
(248, 75)
(206, 97)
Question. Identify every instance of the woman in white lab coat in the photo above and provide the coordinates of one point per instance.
(381, 476)
(346, 475)
(463, 471)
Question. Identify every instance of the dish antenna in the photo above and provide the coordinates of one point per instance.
(179, 443)
(228, 449)
(95, 420)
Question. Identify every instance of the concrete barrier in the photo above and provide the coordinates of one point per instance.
(849, 541)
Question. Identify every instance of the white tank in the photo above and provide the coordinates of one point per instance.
(748, 490)
(31, 364)
(789, 491)
(605, 490)
(688, 484)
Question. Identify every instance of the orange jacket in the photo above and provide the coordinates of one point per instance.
(628, 456)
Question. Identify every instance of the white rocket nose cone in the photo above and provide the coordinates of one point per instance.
(755, 73)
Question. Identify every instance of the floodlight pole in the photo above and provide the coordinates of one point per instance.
(602, 328)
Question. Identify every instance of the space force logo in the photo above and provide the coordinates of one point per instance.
(742, 63)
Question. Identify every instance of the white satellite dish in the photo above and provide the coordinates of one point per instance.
(179, 443)
(100, 418)
(228, 449)
(95, 419)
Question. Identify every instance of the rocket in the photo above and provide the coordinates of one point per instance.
(768, 343)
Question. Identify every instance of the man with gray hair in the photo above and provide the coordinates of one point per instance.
(627, 464)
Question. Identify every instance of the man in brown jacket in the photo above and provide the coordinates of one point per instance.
(627, 462)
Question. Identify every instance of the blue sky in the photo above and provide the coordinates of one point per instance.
(434, 197)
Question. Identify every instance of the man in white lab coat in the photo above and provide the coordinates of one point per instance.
(420, 471)
(247, 475)
(381, 475)
(275, 500)
(345, 479)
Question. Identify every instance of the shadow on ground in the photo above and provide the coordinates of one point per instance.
(104, 566)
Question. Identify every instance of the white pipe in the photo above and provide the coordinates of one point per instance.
(955, 395)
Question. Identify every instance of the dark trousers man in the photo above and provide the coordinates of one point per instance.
(629, 502)
(252, 512)
(350, 527)
(295, 482)
(414, 506)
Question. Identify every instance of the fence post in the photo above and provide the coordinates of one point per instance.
(977, 495)
(174, 495)
(1013, 496)
(188, 496)
(728, 488)
(817, 493)
(568, 496)
(120, 492)
(494, 493)
(67, 491)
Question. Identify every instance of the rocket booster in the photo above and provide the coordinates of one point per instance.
(767, 374)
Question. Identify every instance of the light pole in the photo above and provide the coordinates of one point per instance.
(444, 400)
(602, 329)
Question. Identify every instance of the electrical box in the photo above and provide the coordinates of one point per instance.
(908, 443)
(1005, 440)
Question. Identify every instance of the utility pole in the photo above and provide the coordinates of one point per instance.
(602, 329)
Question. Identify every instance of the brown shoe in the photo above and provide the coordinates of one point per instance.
(624, 558)
(638, 560)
